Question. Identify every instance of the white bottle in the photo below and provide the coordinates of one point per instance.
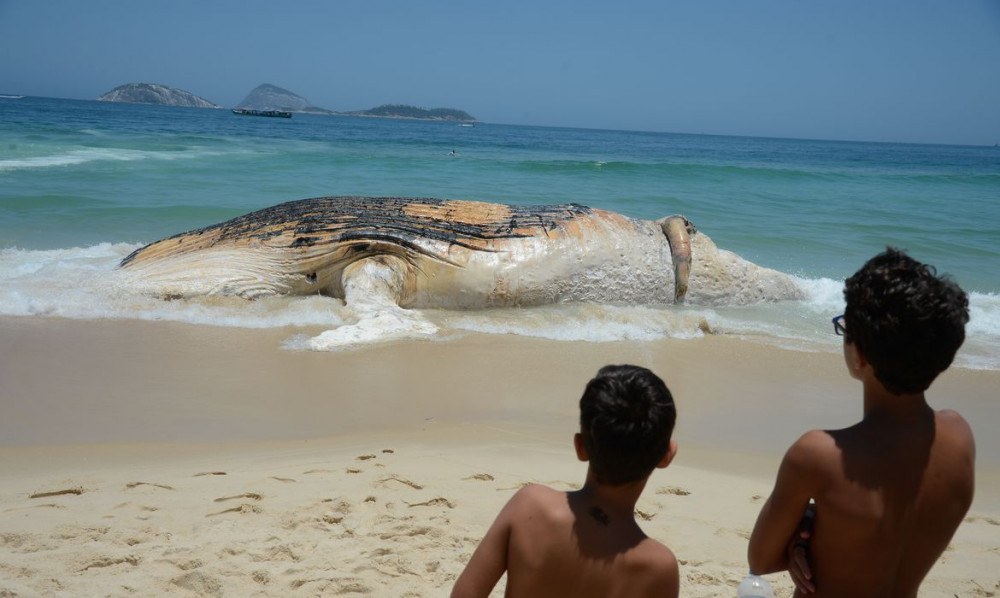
(754, 586)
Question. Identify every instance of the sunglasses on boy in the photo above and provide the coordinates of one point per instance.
(839, 325)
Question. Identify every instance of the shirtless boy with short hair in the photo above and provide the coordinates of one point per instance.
(587, 542)
(891, 490)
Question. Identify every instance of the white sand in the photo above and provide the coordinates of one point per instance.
(151, 459)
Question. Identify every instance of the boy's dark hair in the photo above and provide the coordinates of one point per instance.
(627, 415)
(906, 320)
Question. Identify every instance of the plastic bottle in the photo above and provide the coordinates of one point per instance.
(754, 586)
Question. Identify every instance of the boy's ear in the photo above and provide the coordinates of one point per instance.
(581, 450)
(667, 458)
(856, 361)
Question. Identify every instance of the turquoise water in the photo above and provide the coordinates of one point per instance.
(82, 182)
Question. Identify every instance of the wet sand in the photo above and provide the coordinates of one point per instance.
(151, 458)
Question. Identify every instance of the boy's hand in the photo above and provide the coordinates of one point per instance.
(798, 553)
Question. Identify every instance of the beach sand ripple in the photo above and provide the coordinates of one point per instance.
(378, 532)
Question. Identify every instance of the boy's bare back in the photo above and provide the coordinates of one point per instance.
(557, 544)
(889, 499)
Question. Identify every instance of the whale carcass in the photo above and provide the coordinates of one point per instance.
(422, 252)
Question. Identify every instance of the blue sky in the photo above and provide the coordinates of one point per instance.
(882, 70)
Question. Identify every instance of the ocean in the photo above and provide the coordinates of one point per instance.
(84, 183)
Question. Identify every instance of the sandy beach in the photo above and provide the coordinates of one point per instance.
(146, 458)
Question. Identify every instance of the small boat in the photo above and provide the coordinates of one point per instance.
(272, 113)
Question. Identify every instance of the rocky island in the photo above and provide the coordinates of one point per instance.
(154, 93)
(273, 98)
(405, 111)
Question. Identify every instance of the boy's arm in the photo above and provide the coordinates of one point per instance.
(798, 478)
(489, 561)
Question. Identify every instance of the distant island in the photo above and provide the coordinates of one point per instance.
(405, 111)
(154, 93)
(271, 98)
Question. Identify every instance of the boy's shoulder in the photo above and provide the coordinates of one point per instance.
(955, 426)
(655, 555)
(652, 564)
(812, 449)
(539, 498)
(536, 493)
(955, 444)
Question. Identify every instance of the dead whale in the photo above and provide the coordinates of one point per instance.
(420, 252)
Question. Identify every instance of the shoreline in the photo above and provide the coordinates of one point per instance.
(63, 379)
(169, 457)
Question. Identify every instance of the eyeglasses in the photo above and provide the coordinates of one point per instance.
(839, 326)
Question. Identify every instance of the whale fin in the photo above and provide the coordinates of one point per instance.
(382, 279)
(678, 231)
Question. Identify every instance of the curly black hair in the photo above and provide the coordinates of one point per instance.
(627, 416)
(907, 321)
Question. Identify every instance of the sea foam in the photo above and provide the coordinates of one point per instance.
(84, 283)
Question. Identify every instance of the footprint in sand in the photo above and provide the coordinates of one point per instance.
(24, 543)
(286, 480)
(185, 565)
(675, 490)
(244, 509)
(250, 495)
(335, 513)
(701, 578)
(364, 457)
(483, 477)
(352, 470)
(389, 565)
(140, 538)
(397, 479)
(132, 485)
(434, 502)
(644, 515)
(75, 491)
(11, 572)
(80, 532)
(199, 583)
(280, 553)
(105, 562)
(209, 473)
